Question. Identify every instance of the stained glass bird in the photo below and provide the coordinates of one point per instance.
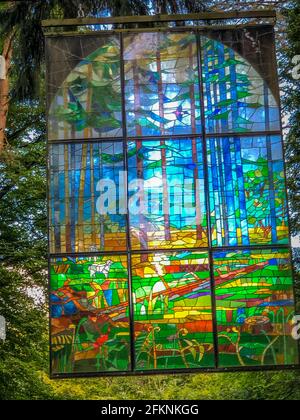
(180, 113)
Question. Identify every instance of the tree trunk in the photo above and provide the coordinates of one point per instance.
(166, 202)
(4, 89)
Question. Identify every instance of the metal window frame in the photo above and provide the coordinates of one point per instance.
(160, 18)
(203, 136)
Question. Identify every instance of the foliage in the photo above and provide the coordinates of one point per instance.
(292, 102)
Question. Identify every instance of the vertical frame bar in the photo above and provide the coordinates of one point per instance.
(48, 213)
(285, 178)
(130, 286)
(207, 195)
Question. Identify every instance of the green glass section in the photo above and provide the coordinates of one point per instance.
(89, 315)
(172, 311)
(87, 104)
(255, 308)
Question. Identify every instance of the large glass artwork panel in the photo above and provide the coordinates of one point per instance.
(237, 97)
(168, 217)
(87, 206)
(255, 308)
(161, 84)
(89, 315)
(167, 194)
(86, 100)
(172, 311)
(247, 191)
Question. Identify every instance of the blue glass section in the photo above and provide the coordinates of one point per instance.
(236, 97)
(247, 191)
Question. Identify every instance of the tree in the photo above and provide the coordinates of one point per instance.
(4, 86)
(292, 107)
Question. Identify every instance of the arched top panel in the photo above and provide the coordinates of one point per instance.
(165, 75)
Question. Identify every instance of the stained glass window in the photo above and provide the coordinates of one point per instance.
(87, 103)
(255, 307)
(90, 314)
(247, 191)
(168, 221)
(80, 220)
(162, 84)
(173, 193)
(172, 311)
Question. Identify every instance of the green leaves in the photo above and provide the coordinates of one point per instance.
(100, 83)
(243, 94)
(221, 116)
(241, 120)
(155, 165)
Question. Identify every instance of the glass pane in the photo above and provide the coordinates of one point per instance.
(172, 311)
(247, 191)
(89, 315)
(167, 199)
(255, 308)
(161, 84)
(85, 102)
(86, 202)
(237, 97)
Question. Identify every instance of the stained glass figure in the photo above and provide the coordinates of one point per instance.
(247, 191)
(171, 212)
(87, 103)
(83, 217)
(255, 308)
(161, 84)
(172, 311)
(89, 314)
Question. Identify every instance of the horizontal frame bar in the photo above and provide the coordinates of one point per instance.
(166, 137)
(131, 373)
(194, 28)
(170, 250)
(54, 23)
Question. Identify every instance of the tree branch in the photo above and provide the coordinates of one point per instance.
(5, 190)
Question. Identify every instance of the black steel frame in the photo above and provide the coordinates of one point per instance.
(129, 252)
(177, 372)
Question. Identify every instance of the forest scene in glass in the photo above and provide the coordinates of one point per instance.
(237, 99)
(255, 308)
(88, 104)
(161, 84)
(76, 224)
(247, 191)
(172, 196)
(172, 311)
(89, 314)
(168, 222)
